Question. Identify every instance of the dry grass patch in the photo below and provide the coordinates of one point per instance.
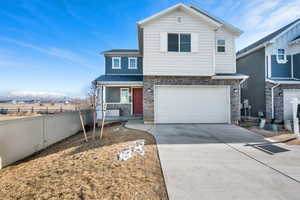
(74, 169)
(278, 136)
(285, 137)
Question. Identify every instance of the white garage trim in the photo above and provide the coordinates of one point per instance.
(288, 95)
(227, 87)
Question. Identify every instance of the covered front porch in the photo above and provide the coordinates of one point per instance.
(122, 97)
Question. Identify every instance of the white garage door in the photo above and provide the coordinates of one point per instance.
(288, 95)
(192, 104)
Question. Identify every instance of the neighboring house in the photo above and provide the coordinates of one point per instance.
(183, 72)
(273, 64)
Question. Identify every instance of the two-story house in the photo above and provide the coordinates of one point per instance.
(273, 64)
(183, 72)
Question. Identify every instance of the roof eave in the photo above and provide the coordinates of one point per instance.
(120, 53)
(285, 31)
(232, 28)
(254, 49)
(170, 9)
(121, 83)
(294, 42)
(291, 82)
(239, 77)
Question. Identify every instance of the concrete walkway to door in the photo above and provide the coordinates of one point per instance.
(212, 161)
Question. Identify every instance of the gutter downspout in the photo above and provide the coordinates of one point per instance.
(214, 51)
(242, 81)
(272, 97)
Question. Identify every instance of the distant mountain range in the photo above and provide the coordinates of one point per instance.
(34, 96)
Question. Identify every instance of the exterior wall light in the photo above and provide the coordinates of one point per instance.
(149, 90)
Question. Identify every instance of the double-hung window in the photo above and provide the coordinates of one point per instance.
(116, 62)
(132, 63)
(179, 42)
(221, 46)
(281, 56)
(124, 96)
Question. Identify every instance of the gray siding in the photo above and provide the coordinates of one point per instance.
(124, 66)
(296, 65)
(254, 88)
(281, 70)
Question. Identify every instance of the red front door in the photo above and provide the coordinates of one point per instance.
(137, 101)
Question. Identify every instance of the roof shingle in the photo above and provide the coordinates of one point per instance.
(119, 78)
(267, 38)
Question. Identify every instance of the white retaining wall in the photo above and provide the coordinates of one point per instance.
(20, 138)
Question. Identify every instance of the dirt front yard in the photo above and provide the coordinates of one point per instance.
(74, 169)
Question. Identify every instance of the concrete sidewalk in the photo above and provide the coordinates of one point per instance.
(202, 161)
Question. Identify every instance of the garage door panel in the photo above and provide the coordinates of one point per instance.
(288, 95)
(192, 104)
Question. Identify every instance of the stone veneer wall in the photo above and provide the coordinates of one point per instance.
(278, 100)
(151, 81)
(125, 109)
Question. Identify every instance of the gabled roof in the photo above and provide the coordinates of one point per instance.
(229, 26)
(196, 11)
(296, 38)
(260, 43)
(178, 6)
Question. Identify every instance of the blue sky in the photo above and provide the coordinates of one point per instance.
(55, 45)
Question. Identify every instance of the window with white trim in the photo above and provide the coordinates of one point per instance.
(281, 56)
(132, 63)
(179, 42)
(124, 96)
(116, 62)
(221, 46)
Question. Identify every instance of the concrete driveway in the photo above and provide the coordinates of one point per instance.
(202, 161)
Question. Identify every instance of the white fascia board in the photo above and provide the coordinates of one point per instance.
(283, 82)
(284, 32)
(252, 50)
(237, 31)
(230, 77)
(294, 42)
(179, 5)
(121, 53)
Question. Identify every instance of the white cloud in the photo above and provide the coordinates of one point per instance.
(257, 12)
(53, 51)
(263, 17)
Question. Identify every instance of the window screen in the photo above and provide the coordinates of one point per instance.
(221, 45)
(185, 42)
(179, 42)
(173, 43)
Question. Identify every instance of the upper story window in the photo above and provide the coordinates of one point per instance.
(116, 62)
(132, 63)
(221, 46)
(281, 55)
(179, 42)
